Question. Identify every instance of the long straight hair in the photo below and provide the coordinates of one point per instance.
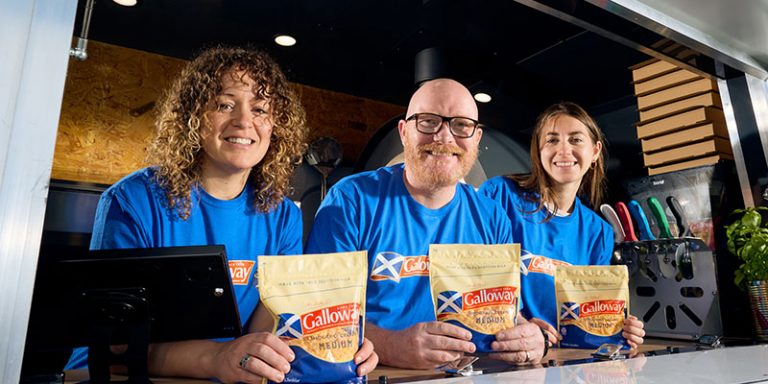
(538, 181)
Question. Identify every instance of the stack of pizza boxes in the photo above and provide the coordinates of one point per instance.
(681, 118)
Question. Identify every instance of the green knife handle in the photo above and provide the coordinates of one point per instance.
(661, 218)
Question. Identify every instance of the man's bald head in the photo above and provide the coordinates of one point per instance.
(444, 97)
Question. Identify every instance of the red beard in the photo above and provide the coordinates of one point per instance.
(430, 171)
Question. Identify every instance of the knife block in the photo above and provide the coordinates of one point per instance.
(673, 287)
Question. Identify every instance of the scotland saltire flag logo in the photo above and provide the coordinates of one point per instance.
(289, 325)
(525, 256)
(387, 266)
(448, 302)
(569, 311)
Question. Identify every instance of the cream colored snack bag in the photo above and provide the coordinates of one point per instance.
(476, 287)
(317, 303)
(593, 302)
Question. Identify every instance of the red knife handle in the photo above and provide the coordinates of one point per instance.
(626, 221)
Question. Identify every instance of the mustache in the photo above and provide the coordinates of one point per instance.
(442, 149)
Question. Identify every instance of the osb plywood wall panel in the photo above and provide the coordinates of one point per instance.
(349, 119)
(100, 140)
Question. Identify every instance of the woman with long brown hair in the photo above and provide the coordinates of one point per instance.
(549, 220)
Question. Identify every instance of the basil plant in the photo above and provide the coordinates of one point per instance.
(748, 240)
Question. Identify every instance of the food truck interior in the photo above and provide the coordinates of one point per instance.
(355, 64)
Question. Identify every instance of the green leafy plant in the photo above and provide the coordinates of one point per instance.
(748, 240)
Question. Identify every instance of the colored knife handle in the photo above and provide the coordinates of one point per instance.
(626, 221)
(661, 218)
(613, 219)
(679, 213)
(643, 227)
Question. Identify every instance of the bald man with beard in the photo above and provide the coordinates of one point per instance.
(396, 212)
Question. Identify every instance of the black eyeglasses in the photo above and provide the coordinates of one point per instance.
(431, 123)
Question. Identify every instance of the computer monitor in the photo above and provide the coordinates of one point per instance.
(129, 296)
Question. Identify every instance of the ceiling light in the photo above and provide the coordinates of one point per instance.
(126, 3)
(482, 97)
(285, 40)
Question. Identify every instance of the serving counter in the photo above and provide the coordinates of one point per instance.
(747, 364)
(656, 362)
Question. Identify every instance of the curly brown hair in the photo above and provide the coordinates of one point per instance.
(176, 149)
(592, 185)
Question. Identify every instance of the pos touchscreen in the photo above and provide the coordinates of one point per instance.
(132, 297)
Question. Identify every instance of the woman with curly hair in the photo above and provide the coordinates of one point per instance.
(230, 133)
(548, 217)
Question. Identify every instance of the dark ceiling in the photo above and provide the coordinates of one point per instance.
(524, 58)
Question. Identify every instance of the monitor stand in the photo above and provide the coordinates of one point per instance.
(118, 315)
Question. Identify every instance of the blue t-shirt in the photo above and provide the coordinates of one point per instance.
(133, 213)
(581, 238)
(374, 211)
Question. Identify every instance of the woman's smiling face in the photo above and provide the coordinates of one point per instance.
(239, 127)
(566, 150)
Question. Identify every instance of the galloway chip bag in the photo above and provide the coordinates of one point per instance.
(476, 287)
(593, 302)
(317, 303)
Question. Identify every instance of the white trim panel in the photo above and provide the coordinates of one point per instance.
(35, 36)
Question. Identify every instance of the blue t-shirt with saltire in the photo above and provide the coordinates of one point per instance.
(373, 211)
(133, 213)
(581, 238)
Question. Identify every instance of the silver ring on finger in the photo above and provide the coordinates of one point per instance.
(244, 361)
(527, 357)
